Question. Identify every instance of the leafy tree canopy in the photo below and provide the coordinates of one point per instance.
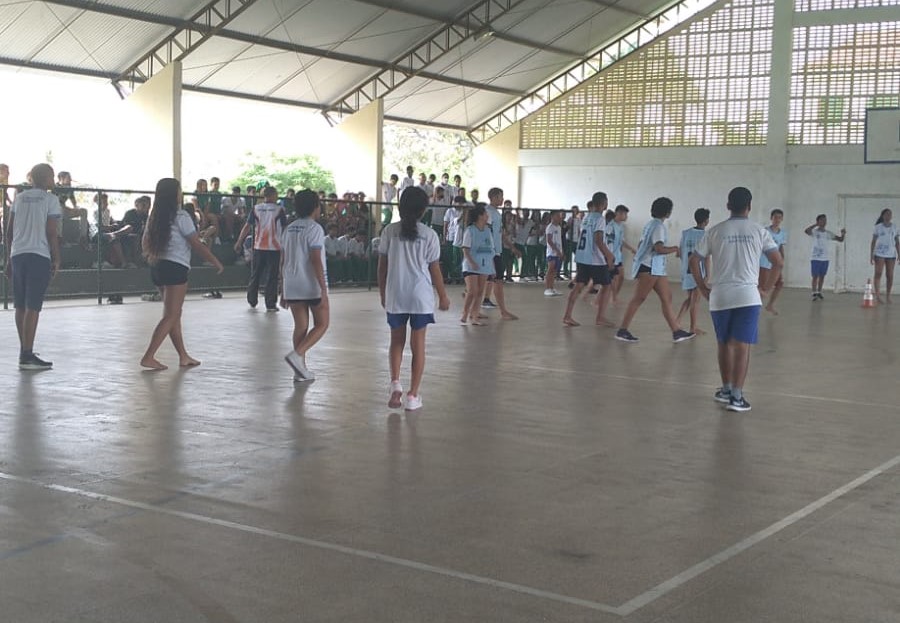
(428, 151)
(284, 172)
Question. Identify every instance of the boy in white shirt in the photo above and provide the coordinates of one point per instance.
(304, 286)
(734, 294)
(553, 237)
(819, 257)
(335, 255)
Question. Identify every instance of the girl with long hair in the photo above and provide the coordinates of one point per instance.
(884, 251)
(409, 270)
(169, 238)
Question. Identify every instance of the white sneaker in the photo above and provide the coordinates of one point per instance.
(300, 379)
(395, 400)
(550, 292)
(297, 362)
(413, 402)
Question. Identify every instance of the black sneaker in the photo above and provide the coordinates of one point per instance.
(738, 404)
(682, 336)
(624, 335)
(722, 395)
(33, 362)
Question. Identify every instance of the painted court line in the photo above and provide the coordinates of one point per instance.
(323, 545)
(682, 578)
(626, 609)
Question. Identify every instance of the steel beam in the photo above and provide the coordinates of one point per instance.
(412, 63)
(651, 31)
(614, 5)
(434, 16)
(276, 44)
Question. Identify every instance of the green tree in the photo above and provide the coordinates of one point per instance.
(428, 151)
(283, 172)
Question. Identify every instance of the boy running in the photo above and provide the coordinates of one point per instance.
(689, 239)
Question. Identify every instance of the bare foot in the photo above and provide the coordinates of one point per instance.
(878, 299)
(603, 322)
(482, 317)
(153, 364)
(477, 323)
(569, 322)
(889, 301)
(771, 310)
(509, 316)
(462, 321)
(702, 332)
(188, 362)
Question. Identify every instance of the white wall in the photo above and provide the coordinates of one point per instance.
(802, 181)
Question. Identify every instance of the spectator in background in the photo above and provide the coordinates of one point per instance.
(233, 210)
(207, 221)
(335, 255)
(4, 180)
(135, 220)
(65, 193)
(474, 195)
(408, 180)
(288, 203)
(251, 198)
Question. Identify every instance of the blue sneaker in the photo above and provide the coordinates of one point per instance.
(722, 395)
(739, 405)
(624, 335)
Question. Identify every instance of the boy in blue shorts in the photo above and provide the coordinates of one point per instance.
(819, 256)
(734, 294)
(689, 240)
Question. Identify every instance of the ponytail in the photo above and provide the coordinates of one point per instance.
(413, 202)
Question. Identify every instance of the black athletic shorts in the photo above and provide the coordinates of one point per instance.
(167, 273)
(307, 302)
(498, 268)
(588, 272)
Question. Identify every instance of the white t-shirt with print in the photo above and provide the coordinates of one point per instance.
(408, 289)
(299, 241)
(821, 238)
(735, 246)
(553, 234)
(32, 208)
(179, 249)
(885, 240)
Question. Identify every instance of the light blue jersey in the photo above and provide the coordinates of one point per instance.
(480, 243)
(587, 252)
(690, 238)
(654, 232)
(780, 237)
(615, 238)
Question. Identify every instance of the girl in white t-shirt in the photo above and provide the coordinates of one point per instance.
(885, 251)
(409, 270)
(649, 270)
(169, 238)
(304, 287)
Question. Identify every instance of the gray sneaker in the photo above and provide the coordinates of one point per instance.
(722, 395)
(33, 362)
(624, 335)
(682, 336)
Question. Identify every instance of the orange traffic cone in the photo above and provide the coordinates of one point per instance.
(868, 295)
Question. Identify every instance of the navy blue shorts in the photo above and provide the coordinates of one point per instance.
(416, 321)
(819, 268)
(740, 324)
(30, 276)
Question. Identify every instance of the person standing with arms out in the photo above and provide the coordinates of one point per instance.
(409, 271)
(819, 257)
(649, 269)
(592, 259)
(734, 246)
(689, 239)
(32, 258)
(169, 238)
(884, 251)
(779, 235)
(553, 236)
(304, 287)
(268, 220)
(495, 222)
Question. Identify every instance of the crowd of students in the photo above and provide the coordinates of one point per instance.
(416, 257)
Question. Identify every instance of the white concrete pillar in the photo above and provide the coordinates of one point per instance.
(153, 117)
(497, 164)
(356, 154)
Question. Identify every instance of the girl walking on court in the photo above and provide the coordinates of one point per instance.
(649, 269)
(477, 264)
(885, 250)
(409, 270)
(304, 288)
(168, 240)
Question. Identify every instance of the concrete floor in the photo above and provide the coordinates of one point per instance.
(553, 475)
